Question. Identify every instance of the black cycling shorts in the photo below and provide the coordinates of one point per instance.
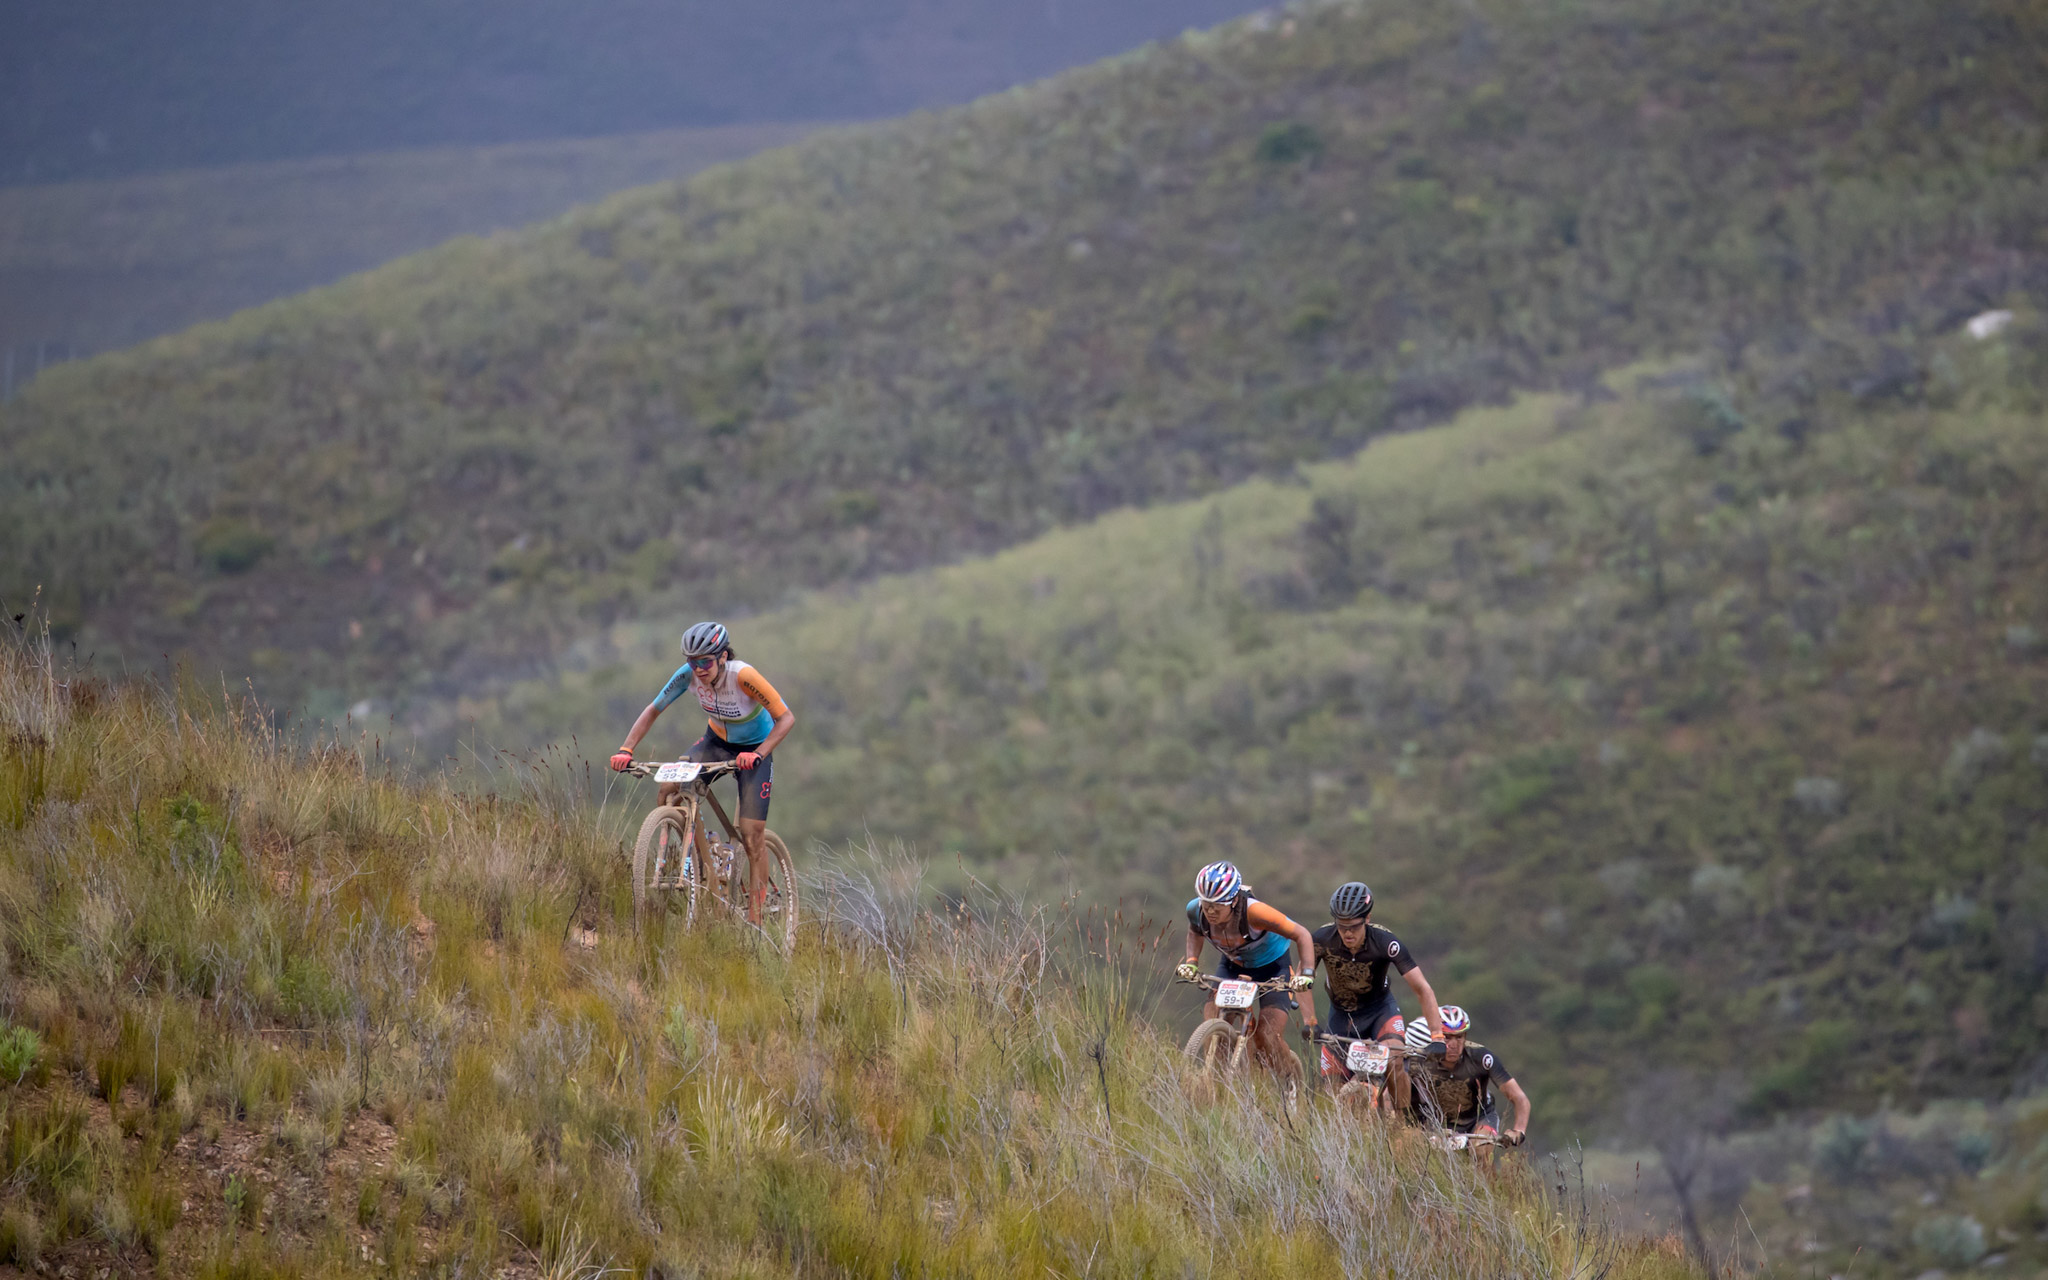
(1487, 1121)
(1369, 1023)
(754, 782)
(1263, 973)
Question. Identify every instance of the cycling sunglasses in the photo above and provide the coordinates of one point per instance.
(703, 664)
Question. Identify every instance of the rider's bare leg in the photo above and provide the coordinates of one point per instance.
(1269, 1037)
(1400, 1088)
(754, 834)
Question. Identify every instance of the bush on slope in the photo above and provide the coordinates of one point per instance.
(289, 1016)
(1135, 282)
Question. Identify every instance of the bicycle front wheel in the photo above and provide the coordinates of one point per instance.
(1214, 1048)
(661, 859)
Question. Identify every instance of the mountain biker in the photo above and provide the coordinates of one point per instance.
(1356, 955)
(747, 720)
(1253, 939)
(1460, 1086)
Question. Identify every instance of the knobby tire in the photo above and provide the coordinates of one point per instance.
(659, 855)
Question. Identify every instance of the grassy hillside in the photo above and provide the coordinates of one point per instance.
(1695, 725)
(272, 1013)
(98, 265)
(1138, 282)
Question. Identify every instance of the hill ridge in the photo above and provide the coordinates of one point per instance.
(1219, 257)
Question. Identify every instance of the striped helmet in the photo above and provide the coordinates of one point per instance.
(1456, 1021)
(1416, 1037)
(704, 638)
(1218, 882)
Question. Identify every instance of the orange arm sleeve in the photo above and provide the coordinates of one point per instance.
(1261, 916)
(758, 688)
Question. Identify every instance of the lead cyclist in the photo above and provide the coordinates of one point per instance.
(746, 721)
(1254, 939)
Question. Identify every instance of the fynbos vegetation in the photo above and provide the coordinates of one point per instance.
(1138, 282)
(272, 1012)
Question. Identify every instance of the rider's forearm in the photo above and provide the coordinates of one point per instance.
(783, 725)
(1306, 944)
(640, 727)
(1520, 1097)
(1427, 994)
(1195, 944)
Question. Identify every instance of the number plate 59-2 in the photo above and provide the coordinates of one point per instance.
(1236, 994)
(680, 771)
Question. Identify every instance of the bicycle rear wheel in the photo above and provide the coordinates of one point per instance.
(663, 861)
(779, 903)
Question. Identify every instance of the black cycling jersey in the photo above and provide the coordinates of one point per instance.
(1357, 980)
(1464, 1093)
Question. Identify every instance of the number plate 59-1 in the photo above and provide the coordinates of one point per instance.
(1236, 995)
(680, 771)
(1368, 1058)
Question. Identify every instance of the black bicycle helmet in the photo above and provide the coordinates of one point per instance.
(1352, 901)
(703, 639)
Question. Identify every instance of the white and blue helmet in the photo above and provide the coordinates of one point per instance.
(1218, 882)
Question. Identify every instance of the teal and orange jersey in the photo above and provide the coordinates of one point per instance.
(742, 707)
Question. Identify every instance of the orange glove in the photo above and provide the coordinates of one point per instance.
(622, 760)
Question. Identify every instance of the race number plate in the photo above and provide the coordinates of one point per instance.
(1456, 1141)
(680, 771)
(1236, 994)
(1368, 1058)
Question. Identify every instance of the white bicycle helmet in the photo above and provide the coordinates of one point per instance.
(1416, 1037)
(703, 639)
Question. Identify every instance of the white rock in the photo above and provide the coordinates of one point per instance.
(1989, 325)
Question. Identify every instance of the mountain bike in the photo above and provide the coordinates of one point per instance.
(679, 856)
(1218, 1047)
(1370, 1063)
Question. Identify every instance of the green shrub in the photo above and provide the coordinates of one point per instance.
(228, 545)
(1839, 1146)
(21, 1050)
(1289, 141)
(1705, 417)
(1953, 1240)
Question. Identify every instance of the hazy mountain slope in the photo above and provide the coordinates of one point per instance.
(1715, 707)
(89, 266)
(1136, 282)
(271, 1013)
(119, 87)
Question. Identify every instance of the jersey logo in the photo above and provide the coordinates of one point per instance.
(1486, 1060)
(1394, 947)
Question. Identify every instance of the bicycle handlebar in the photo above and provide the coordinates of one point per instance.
(1209, 982)
(705, 768)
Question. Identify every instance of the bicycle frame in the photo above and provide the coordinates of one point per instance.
(696, 778)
